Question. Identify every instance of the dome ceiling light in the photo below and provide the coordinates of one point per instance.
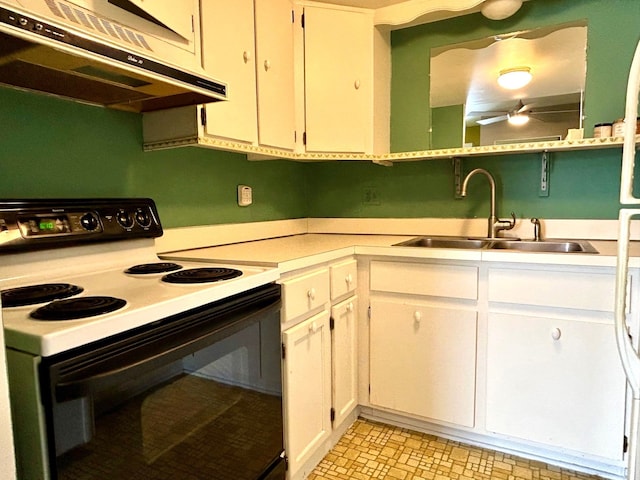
(514, 78)
(500, 9)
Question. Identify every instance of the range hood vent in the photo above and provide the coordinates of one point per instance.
(43, 57)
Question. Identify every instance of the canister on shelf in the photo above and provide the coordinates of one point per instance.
(601, 130)
(617, 129)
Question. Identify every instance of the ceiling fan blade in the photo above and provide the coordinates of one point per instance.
(490, 120)
(487, 113)
(545, 112)
(525, 108)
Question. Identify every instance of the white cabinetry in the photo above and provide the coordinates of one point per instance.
(256, 60)
(274, 67)
(553, 372)
(228, 46)
(307, 388)
(320, 361)
(423, 341)
(338, 75)
(344, 339)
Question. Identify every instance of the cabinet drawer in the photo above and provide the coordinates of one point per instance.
(344, 278)
(553, 288)
(425, 279)
(304, 294)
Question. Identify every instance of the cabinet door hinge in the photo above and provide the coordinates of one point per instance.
(203, 116)
(304, 138)
(293, 16)
(332, 413)
(284, 351)
(332, 323)
(369, 313)
(625, 444)
(302, 20)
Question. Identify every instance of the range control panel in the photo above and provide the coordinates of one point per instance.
(28, 224)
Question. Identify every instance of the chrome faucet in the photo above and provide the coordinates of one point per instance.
(495, 224)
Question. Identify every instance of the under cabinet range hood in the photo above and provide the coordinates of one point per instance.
(125, 54)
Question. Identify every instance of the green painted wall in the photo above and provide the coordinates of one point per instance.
(55, 148)
(612, 34)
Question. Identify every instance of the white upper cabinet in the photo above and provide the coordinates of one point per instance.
(255, 58)
(274, 69)
(228, 47)
(338, 75)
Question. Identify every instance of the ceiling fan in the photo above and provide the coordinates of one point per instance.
(519, 115)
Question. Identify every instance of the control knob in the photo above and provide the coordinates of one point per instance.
(89, 221)
(143, 218)
(124, 219)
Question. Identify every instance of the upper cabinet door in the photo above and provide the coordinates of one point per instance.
(177, 15)
(275, 73)
(338, 80)
(228, 50)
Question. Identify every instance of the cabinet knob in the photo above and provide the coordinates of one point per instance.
(267, 65)
(313, 328)
(556, 333)
(348, 279)
(356, 84)
(417, 316)
(246, 56)
(350, 307)
(311, 294)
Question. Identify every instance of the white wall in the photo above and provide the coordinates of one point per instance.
(7, 460)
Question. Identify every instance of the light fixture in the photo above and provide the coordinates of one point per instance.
(514, 78)
(518, 119)
(500, 9)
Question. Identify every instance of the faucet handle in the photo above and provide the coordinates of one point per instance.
(505, 224)
(537, 226)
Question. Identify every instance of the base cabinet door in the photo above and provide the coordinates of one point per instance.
(306, 388)
(556, 381)
(423, 360)
(344, 358)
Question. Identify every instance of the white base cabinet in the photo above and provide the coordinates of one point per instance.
(344, 358)
(319, 340)
(553, 372)
(307, 388)
(423, 360)
(423, 329)
(557, 382)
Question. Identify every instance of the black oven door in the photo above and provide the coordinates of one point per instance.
(194, 396)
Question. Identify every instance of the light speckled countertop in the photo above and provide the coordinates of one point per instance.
(298, 251)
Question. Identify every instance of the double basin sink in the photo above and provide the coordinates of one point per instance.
(541, 246)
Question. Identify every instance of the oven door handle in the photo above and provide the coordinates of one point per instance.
(149, 355)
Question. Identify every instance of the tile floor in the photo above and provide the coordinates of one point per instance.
(371, 450)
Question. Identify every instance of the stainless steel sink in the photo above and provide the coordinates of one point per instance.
(516, 245)
(445, 242)
(548, 246)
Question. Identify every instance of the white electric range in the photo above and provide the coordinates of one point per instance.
(90, 245)
(123, 365)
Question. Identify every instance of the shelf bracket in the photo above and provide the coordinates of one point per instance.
(545, 164)
(457, 177)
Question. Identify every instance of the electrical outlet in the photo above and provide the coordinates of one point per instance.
(245, 195)
(371, 196)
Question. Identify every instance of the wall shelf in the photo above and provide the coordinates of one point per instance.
(262, 153)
